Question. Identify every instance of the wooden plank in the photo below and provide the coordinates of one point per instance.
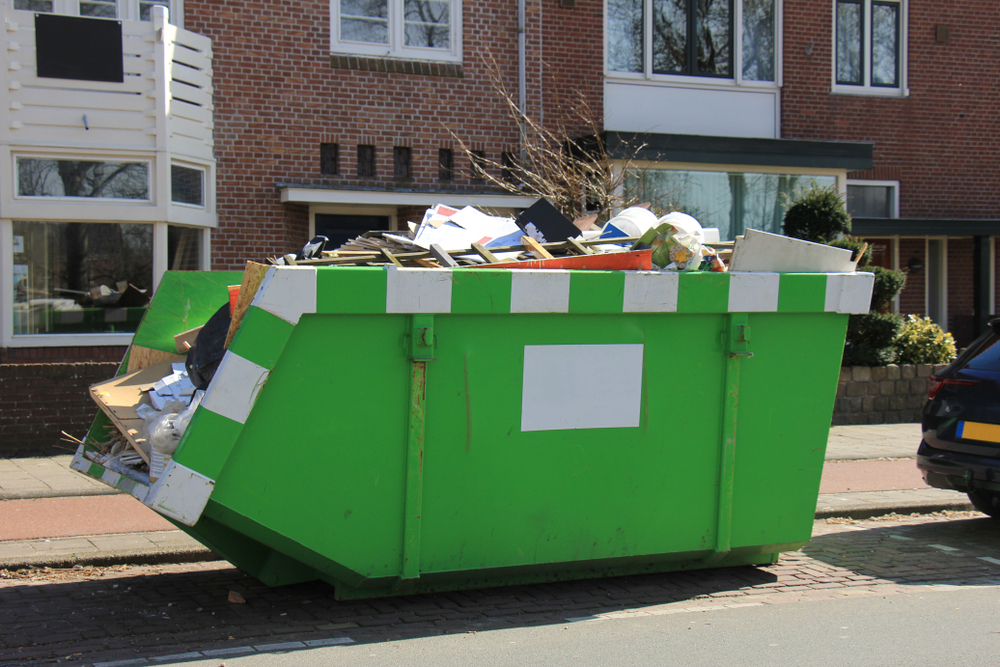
(535, 248)
(442, 256)
(389, 256)
(253, 275)
(140, 357)
(484, 253)
(578, 248)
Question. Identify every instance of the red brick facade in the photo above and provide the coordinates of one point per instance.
(941, 140)
(279, 95)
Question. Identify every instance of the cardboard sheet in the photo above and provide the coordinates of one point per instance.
(119, 397)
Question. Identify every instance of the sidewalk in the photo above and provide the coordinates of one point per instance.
(51, 478)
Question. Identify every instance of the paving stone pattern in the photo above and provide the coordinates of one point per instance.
(148, 615)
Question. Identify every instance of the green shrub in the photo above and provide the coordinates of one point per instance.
(888, 284)
(920, 341)
(870, 339)
(855, 246)
(817, 214)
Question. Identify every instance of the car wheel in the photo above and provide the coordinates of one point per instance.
(986, 502)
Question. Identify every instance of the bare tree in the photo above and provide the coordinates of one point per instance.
(566, 162)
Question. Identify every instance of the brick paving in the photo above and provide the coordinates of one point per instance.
(139, 614)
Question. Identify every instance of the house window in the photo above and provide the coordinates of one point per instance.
(730, 201)
(329, 159)
(873, 199)
(187, 185)
(413, 29)
(366, 161)
(184, 246)
(129, 9)
(693, 38)
(446, 164)
(42, 177)
(77, 277)
(401, 162)
(869, 45)
(477, 166)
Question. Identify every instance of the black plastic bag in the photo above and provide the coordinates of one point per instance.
(208, 349)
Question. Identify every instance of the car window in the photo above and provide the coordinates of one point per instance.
(983, 355)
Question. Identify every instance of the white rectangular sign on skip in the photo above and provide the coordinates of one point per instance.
(581, 386)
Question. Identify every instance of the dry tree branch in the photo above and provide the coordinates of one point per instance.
(570, 168)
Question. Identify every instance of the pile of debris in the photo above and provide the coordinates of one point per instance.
(540, 237)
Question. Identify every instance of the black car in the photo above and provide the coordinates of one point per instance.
(960, 449)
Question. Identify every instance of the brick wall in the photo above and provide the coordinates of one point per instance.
(59, 355)
(942, 139)
(279, 94)
(39, 401)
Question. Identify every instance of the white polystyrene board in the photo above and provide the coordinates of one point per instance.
(849, 292)
(753, 292)
(539, 291)
(763, 251)
(561, 381)
(418, 290)
(234, 387)
(650, 292)
(180, 494)
(288, 292)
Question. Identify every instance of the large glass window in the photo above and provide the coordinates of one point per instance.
(692, 38)
(141, 9)
(731, 201)
(423, 29)
(869, 43)
(75, 277)
(872, 200)
(41, 177)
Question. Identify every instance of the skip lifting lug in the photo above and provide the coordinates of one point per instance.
(739, 338)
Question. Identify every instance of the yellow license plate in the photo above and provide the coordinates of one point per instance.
(977, 431)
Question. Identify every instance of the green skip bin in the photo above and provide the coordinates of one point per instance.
(394, 430)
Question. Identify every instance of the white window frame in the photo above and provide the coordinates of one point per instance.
(7, 337)
(200, 168)
(395, 48)
(128, 10)
(894, 213)
(703, 81)
(866, 44)
(150, 178)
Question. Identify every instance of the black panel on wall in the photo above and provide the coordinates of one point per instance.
(74, 47)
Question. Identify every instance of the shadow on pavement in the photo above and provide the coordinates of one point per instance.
(960, 551)
(119, 616)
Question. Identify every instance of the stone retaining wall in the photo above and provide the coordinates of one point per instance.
(893, 394)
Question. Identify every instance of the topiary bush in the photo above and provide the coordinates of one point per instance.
(870, 339)
(920, 341)
(888, 284)
(818, 215)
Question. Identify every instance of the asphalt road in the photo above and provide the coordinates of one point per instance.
(209, 612)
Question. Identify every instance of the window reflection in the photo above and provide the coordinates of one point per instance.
(72, 277)
(885, 38)
(849, 42)
(364, 21)
(733, 202)
(426, 23)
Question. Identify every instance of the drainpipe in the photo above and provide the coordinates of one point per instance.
(522, 74)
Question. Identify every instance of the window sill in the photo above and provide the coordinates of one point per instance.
(396, 66)
(690, 82)
(891, 93)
